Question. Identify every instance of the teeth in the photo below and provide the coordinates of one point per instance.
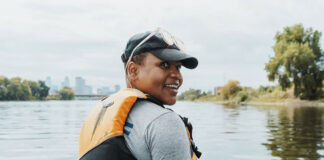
(172, 86)
(177, 82)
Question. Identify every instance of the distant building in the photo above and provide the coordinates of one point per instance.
(48, 81)
(117, 88)
(103, 91)
(81, 88)
(66, 82)
(79, 85)
(53, 88)
(217, 89)
(88, 90)
(107, 91)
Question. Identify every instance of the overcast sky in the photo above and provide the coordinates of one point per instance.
(232, 39)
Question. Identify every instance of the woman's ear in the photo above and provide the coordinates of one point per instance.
(132, 70)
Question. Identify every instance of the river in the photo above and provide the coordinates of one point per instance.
(38, 130)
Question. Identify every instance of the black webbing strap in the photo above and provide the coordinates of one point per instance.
(193, 145)
(151, 99)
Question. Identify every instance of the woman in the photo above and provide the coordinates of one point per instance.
(133, 123)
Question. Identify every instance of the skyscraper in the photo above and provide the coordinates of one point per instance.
(66, 82)
(48, 81)
(103, 91)
(117, 88)
(79, 85)
(53, 88)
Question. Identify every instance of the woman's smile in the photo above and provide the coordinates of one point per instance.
(158, 78)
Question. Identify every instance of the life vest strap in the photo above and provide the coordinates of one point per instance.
(189, 129)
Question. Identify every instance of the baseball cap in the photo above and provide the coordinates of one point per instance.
(157, 45)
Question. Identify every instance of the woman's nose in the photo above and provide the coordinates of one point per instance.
(175, 72)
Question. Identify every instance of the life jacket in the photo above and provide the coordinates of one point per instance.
(102, 133)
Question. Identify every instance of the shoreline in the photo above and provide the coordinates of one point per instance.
(294, 104)
(289, 103)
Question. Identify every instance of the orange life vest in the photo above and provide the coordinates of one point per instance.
(105, 126)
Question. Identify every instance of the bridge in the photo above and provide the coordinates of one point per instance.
(89, 97)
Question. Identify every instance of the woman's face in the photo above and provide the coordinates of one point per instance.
(158, 78)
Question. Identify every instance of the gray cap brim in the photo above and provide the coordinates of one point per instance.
(167, 54)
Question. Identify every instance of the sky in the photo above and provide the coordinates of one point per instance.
(232, 39)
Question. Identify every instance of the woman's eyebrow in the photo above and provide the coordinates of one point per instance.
(177, 63)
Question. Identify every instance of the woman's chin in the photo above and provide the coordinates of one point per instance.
(171, 101)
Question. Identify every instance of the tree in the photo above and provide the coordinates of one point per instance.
(298, 61)
(35, 89)
(43, 90)
(230, 89)
(66, 93)
(191, 94)
(26, 91)
(4, 82)
(18, 90)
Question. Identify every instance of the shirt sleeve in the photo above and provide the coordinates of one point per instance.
(167, 138)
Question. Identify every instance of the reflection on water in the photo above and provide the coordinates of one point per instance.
(296, 133)
(41, 130)
(50, 130)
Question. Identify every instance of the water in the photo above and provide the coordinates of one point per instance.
(49, 130)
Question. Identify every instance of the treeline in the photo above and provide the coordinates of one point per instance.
(64, 94)
(234, 93)
(18, 89)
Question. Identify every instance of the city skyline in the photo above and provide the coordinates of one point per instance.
(80, 86)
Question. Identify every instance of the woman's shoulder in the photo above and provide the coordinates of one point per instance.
(149, 109)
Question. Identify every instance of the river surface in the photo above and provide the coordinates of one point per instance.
(40, 130)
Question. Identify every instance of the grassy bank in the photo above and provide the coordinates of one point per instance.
(271, 95)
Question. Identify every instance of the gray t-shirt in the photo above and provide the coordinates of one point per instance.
(155, 133)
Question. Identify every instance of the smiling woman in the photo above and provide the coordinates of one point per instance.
(135, 124)
(158, 78)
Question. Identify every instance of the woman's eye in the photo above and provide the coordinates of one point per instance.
(164, 65)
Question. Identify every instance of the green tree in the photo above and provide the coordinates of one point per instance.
(297, 61)
(18, 90)
(26, 91)
(43, 90)
(66, 93)
(3, 92)
(4, 82)
(191, 94)
(35, 89)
